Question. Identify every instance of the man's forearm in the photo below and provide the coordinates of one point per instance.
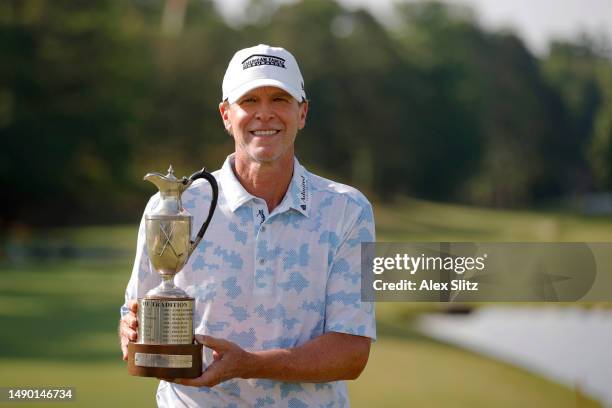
(329, 357)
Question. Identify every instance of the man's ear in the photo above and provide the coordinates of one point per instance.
(302, 115)
(224, 111)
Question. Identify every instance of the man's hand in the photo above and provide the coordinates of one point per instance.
(229, 361)
(127, 327)
(330, 357)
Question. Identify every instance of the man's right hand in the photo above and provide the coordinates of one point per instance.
(128, 326)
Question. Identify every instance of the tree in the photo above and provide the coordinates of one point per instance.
(69, 79)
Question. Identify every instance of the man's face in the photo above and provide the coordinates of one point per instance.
(264, 123)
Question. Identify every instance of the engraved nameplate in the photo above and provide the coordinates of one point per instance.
(162, 321)
(163, 360)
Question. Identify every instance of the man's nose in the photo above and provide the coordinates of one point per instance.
(264, 112)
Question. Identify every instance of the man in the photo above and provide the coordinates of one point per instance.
(277, 277)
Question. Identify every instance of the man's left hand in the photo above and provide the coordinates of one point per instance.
(229, 361)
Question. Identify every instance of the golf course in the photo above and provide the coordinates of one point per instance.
(61, 290)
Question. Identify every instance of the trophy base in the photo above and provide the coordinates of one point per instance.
(165, 360)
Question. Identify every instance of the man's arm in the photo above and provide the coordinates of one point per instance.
(330, 357)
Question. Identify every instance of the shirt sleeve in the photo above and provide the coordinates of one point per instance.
(344, 310)
(144, 277)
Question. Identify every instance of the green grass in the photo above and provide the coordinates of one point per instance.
(422, 221)
(59, 320)
(421, 373)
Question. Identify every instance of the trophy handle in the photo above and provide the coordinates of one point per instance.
(213, 204)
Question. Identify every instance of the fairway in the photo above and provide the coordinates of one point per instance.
(59, 320)
(418, 373)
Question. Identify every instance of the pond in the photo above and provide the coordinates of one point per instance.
(569, 345)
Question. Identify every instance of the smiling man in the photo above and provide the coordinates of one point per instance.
(277, 277)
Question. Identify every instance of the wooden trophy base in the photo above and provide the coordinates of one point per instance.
(165, 360)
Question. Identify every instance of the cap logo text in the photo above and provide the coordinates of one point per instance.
(260, 59)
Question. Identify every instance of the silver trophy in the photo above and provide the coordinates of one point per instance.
(165, 346)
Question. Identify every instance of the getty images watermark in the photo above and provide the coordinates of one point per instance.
(486, 272)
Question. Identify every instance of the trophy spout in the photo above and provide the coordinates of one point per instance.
(157, 179)
(168, 185)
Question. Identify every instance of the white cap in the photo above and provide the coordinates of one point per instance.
(262, 65)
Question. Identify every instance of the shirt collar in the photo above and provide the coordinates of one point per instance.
(299, 191)
(297, 196)
(234, 192)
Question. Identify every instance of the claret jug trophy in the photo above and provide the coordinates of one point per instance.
(165, 347)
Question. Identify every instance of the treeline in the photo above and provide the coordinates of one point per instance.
(93, 94)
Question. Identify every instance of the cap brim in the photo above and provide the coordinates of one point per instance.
(235, 94)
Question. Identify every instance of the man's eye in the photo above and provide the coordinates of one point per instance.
(280, 99)
(248, 100)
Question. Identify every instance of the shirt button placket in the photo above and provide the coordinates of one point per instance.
(263, 281)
